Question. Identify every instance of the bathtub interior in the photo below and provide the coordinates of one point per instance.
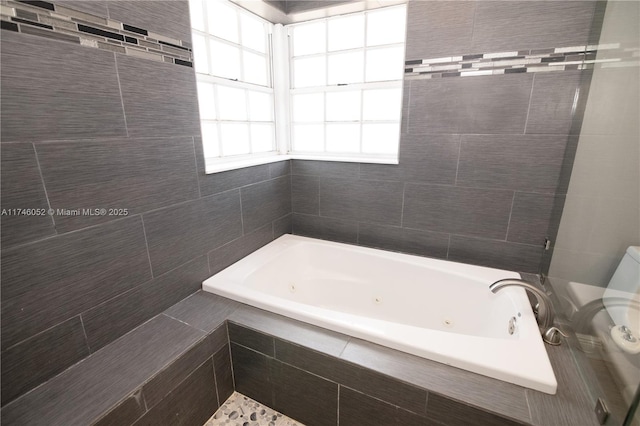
(386, 287)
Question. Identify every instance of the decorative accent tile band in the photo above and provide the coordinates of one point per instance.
(535, 60)
(44, 19)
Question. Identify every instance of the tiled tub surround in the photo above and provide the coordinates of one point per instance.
(62, 23)
(310, 374)
(484, 158)
(85, 127)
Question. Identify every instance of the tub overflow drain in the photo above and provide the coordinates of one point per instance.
(292, 287)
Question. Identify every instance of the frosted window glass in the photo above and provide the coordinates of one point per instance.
(383, 104)
(253, 33)
(343, 106)
(309, 72)
(308, 107)
(225, 60)
(346, 32)
(210, 139)
(201, 58)
(386, 26)
(346, 68)
(223, 20)
(262, 137)
(260, 106)
(255, 68)
(309, 38)
(308, 137)
(232, 103)
(235, 138)
(343, 137)
(380, 138)
(385, 64)
(206, 101)
(197, 14)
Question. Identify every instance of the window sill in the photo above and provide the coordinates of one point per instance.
(218, 166)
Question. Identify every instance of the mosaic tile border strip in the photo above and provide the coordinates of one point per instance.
(44, 19)
(523, 61)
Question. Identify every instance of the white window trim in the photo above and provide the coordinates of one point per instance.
(280, 73)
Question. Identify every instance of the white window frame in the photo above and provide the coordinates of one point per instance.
(280, 70)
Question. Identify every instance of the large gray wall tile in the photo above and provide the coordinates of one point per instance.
(282, 226)
(223, 181)
(251, 374)
(523, 162)
(487, 104)
(467, 211)
(224, 373)
(265, 202)
(552, 102)
(52, 280)
(36, 106)
(433, 106)
(163, 383)
(437, 29)
(305, 194)
(423, 243)
(22, 189)
(159, 99)
(450, 412)
(519, 25)
(364, 380)
(41, 357)
(422, 158)
(117, 316)
(93, 7)
(325, 168)
(530, 218)
(133, 174)
(359, 409)
(251, 339)
(495, 254)
(179, 233)
(167, 18)
(83, 393)
(363, 200)
(291, 395)
(125, 413)
(325, 228)
(280, 168)
(230, 253)
(203, 310)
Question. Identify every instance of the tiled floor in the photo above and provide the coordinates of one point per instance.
(239, 410)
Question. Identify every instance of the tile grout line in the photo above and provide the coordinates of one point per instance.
(513, 200)
(455, 182)
(404, 191)
(526, 122)
(195, 155)
(84, 331)
(146, 243)
(124, 113)
(44, 187)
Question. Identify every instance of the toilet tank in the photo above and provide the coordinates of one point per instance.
(625, 284)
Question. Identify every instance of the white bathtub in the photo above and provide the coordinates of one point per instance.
(431, 308)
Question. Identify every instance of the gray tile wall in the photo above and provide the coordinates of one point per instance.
(86, 128)
(484, 161)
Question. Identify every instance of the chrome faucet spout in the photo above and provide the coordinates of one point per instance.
(545, 308)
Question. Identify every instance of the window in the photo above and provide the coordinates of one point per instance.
(329, 89)
(346, 78)
(235, 91)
